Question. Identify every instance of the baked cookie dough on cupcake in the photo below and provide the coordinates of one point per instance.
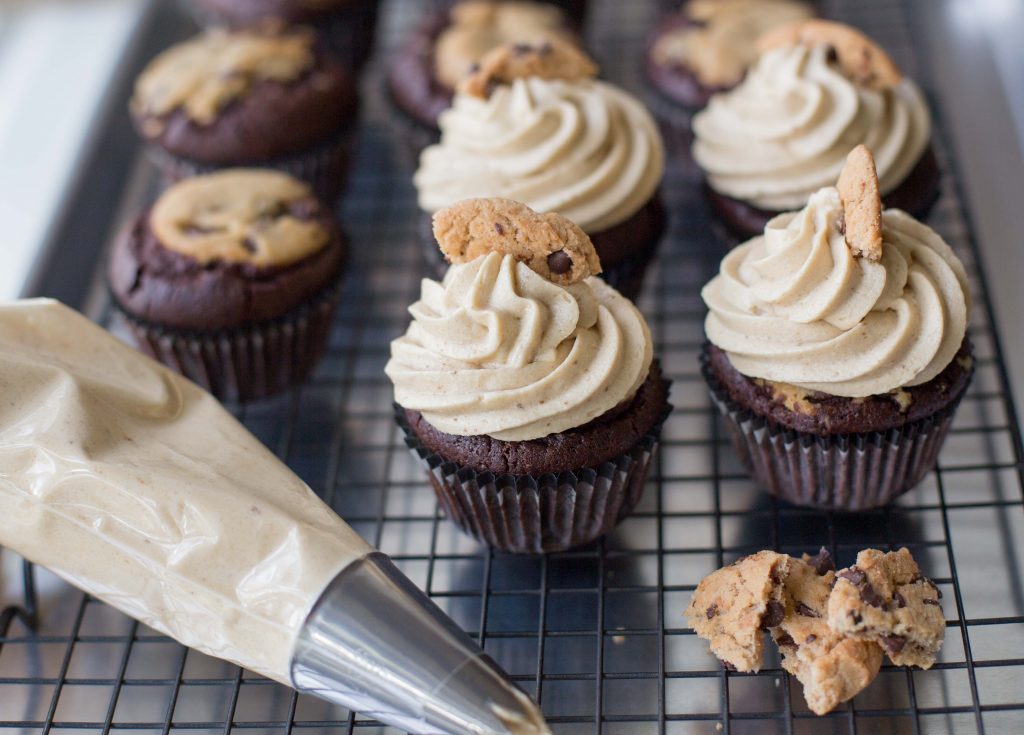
(533, 124)
(256, 97)
(837, 349)
(817, 90)
(232, 279)
(526, 386)
(347, 26)
(447, 45)
(706, 45)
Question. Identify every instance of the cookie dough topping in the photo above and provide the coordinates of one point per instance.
(239, 216)
(203, 75)
(554, 59)
(859, 58)
(862, 204)
(549, 244)
(478, 26)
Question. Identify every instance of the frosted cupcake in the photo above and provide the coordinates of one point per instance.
(817, 90)
(534, 125)
(526, 386)
(837, 349)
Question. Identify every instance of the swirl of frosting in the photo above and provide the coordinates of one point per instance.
(796, 306)
(584, 149)
(784, 132)
(496, 349)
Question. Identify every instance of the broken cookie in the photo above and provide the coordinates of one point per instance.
(552, 59)
(862, 204)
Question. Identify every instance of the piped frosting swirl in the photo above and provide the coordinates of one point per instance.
(496, 349)
(797, 306)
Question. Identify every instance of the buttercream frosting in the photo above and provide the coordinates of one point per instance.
(796, 306)
(784, 132)
(584, 149)
(496, 349)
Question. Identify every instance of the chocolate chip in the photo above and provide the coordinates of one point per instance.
(841, 223)
(811, 638)
(786, 640)
(774, 613)
(894, 643)
(545, 48)
(806, 611)
(712, 610)
(831, 55)
(900, 602)
(853, 575)
(559, 262)
(249, 245)
(521, 49)
(869, 596)
(498, 228)
(929, 601)
(822, 562)
(855, 616)
(728, 666)
(775, 574)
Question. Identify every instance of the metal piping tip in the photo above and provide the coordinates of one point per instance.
(378, 645)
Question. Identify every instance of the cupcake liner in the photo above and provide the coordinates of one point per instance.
(325, 167)
(247, 363)
(529, 514)
(847, 472)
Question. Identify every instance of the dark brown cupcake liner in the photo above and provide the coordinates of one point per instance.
(325, 167)
(247, 363)
(527, 514)
(845, 472)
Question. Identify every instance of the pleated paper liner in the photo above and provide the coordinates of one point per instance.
(324, 167)
(247, 363)
(530, 514)
(845, 472)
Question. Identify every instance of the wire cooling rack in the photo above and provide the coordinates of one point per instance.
(596, 635)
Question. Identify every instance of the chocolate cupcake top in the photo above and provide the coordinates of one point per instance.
(535, 126)
(501, 350)
(717, 39)
(247, 12)
(841, 297)
(478, 26)
(817, 89)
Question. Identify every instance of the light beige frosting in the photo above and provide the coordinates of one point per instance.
(477, 26)
(724, 43)
(238, 216)
(201, 76)
(785, 131)
(796, 306)
(134, 485)
(584, 149)
(496, 349)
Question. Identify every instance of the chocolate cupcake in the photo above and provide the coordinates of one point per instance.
(258, 97)
(535, 426)
(817, 89)
(232, 279)
(346, 26)
(534, 125)
(706, 46)
(837, 347)
(453, 38)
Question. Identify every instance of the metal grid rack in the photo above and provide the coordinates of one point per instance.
(597, 634)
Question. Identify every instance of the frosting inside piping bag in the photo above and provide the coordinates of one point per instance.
(136, 486)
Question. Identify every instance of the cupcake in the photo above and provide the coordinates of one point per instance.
(231, 279)
(817, 90)
(525, 386)
(534, 125)
(450, 41)
(258, 97)
(837, 349)
(707, 45)
(347, 26)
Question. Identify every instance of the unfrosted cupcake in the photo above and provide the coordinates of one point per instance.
(837, 349)
(232, 279)
(534, 125)
(817, 90)
(707, 45)
(526, 386)
(257, 97)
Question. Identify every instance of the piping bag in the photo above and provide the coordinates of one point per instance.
(131, 483)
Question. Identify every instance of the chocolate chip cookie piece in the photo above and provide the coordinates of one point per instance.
(551, 59)
(884, 598)
(732, 606)
(832, 667)
(862, 204)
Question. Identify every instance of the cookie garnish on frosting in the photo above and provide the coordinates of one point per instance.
(553, 59)
(859, 58)
(548, 244)
(862, 204)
